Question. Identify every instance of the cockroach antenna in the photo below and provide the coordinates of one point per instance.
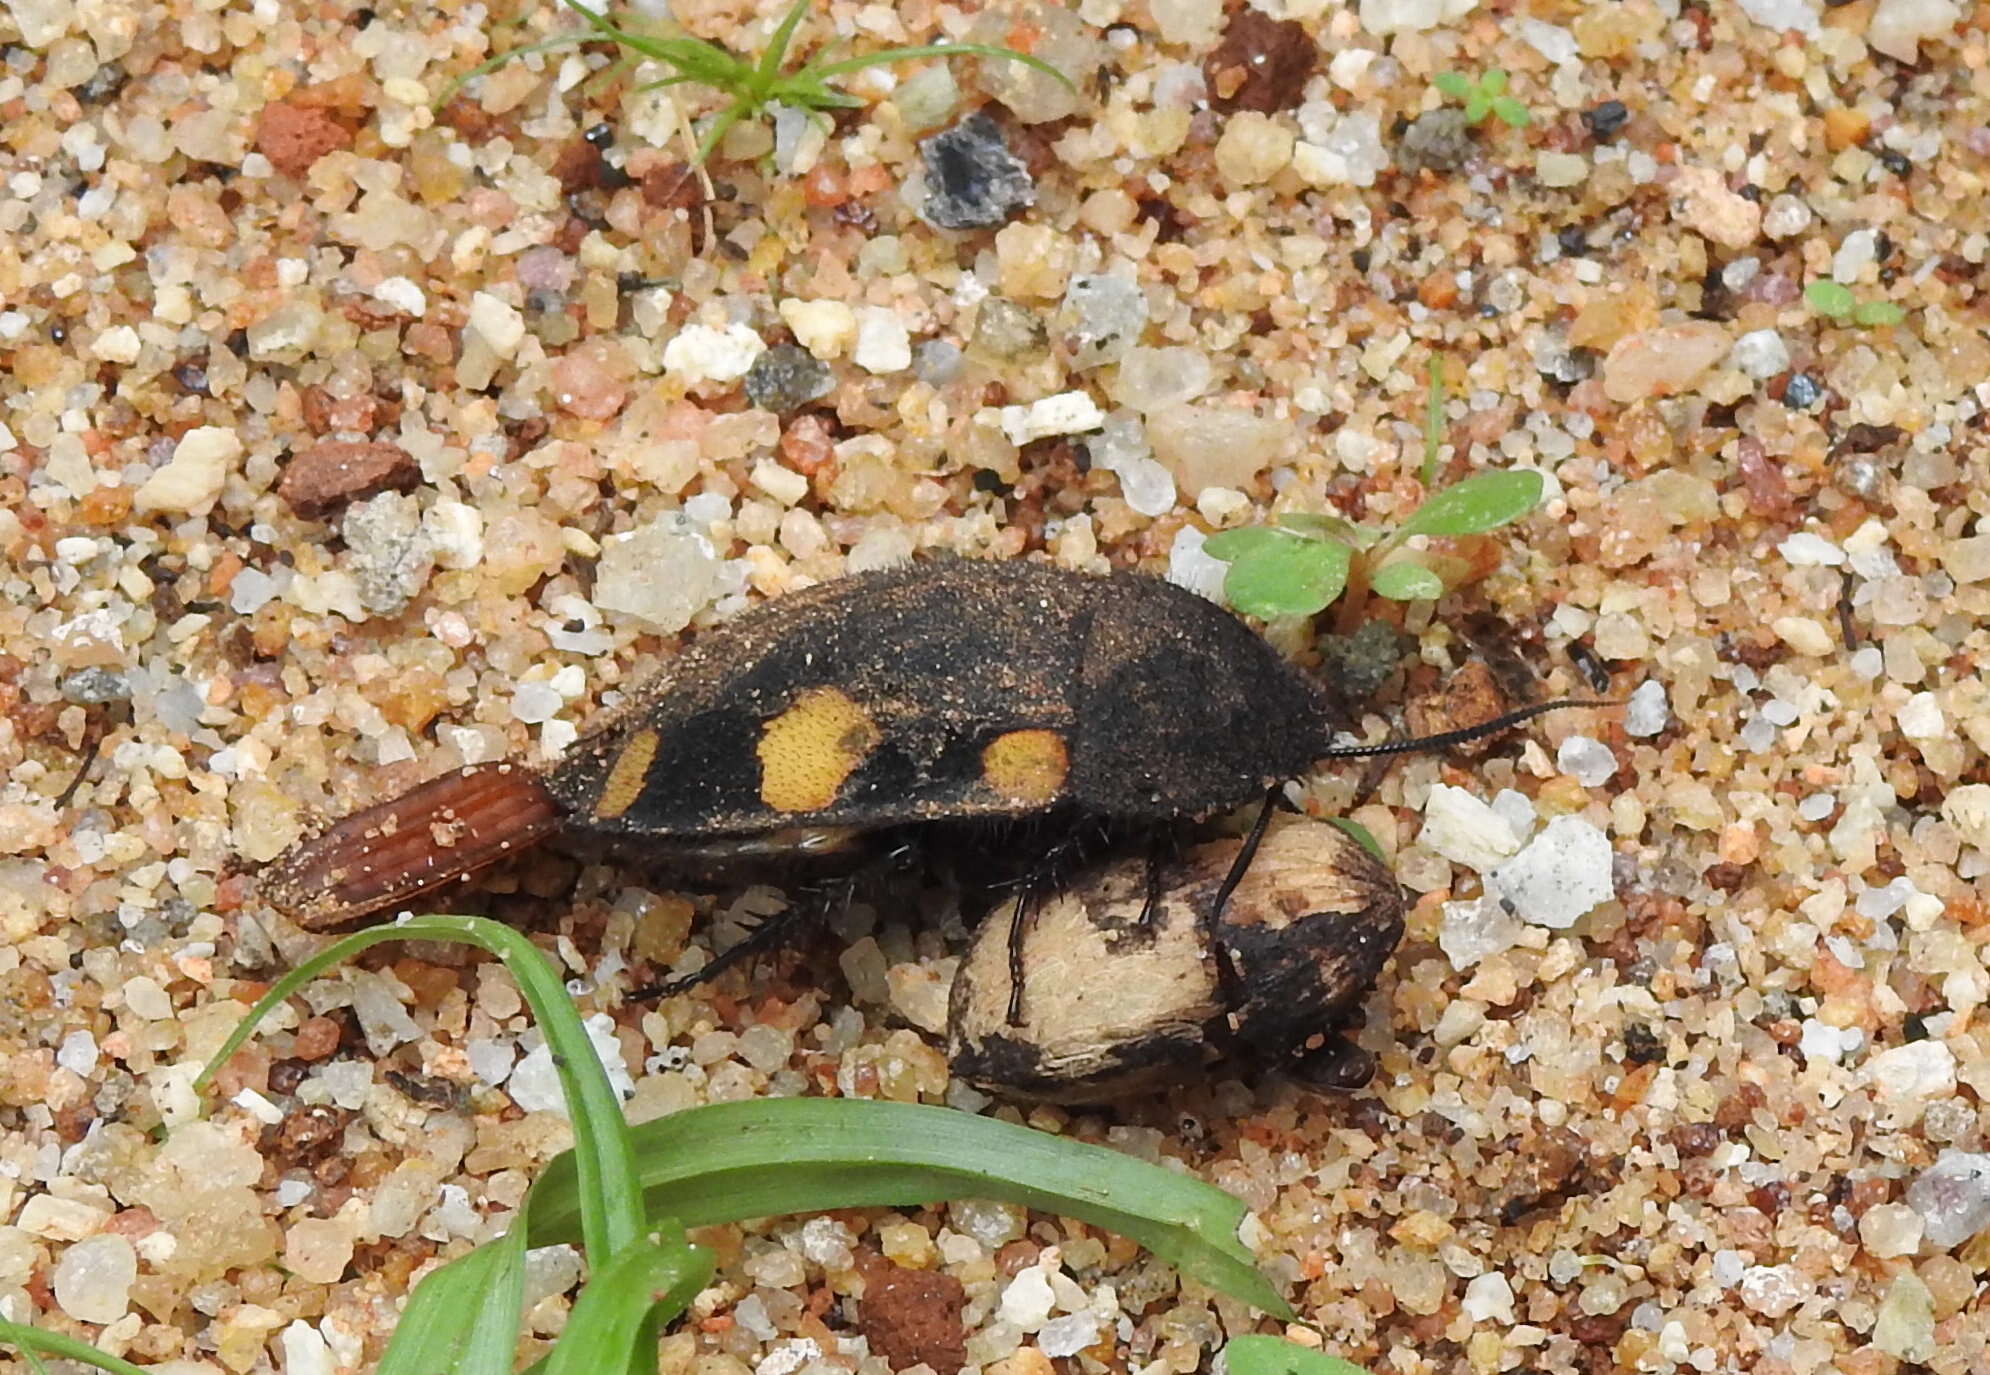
(1444, 740)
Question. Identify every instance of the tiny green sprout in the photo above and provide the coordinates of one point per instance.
(1301, 565)
(1363, 837)
(1834, 300)
(1302, 562)
(751, 86)
(1485, 96)
(1433, 421)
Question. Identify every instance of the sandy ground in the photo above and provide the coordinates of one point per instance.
(346, 438)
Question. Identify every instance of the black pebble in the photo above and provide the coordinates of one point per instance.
(1606, 119)
(973, 181)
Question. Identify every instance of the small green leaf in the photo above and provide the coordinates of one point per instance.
(1453, 84)
(1878, 313)
(1258, 1355)
(1511, 112)
(1830, 298)
(1362, 835)
(1244, 542)
(1477, 107)
(1406, 581)
(1493, 82)
(1479, 503)
(1297, 577)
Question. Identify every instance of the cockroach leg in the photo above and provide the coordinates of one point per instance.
(1028, 894)
(1337, 1065)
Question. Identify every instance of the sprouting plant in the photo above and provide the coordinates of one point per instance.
(1300, 563)
(1485, 95)
(750, 85)
(627, 1194)
(1433, 422)
(1834, 300)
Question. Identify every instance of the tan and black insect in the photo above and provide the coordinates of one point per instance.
(947, 693)
(1123, 991)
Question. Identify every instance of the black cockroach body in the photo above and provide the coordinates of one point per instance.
(939, 694)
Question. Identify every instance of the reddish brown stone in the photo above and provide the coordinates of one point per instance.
(1726, 877)
(1262, 64)
(1762, 478)
(306, 1136)
(321, 479)
(293, 137)
(913, 1317)
(1470, 697)
(579, 167)
(673, 186)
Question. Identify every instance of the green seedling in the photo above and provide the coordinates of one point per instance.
(1483, 96)
(751, 86)
(1835, 301)
(628, 1194)
(1301, 563)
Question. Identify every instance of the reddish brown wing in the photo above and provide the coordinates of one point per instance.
(387, 854)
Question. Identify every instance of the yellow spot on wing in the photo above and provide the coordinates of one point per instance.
(1026, 766)
(811, 748)
(626, 778)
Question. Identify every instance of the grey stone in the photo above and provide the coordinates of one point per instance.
(973, 181)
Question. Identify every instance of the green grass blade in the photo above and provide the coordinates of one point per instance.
(1433, 421)
(1479, 503)
(1259, 1355)
(693, 57)
(491, 64)
(463, 1318)
(721, 125)
(607, 75)
(700, 61)
(857, 64)
(1363, 837)
(615, 1320)
(610, 1194)
(1295, 578)
(777, 48)
(599, 22)
(732, 1161)
(802, 91)
(34, 1343)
